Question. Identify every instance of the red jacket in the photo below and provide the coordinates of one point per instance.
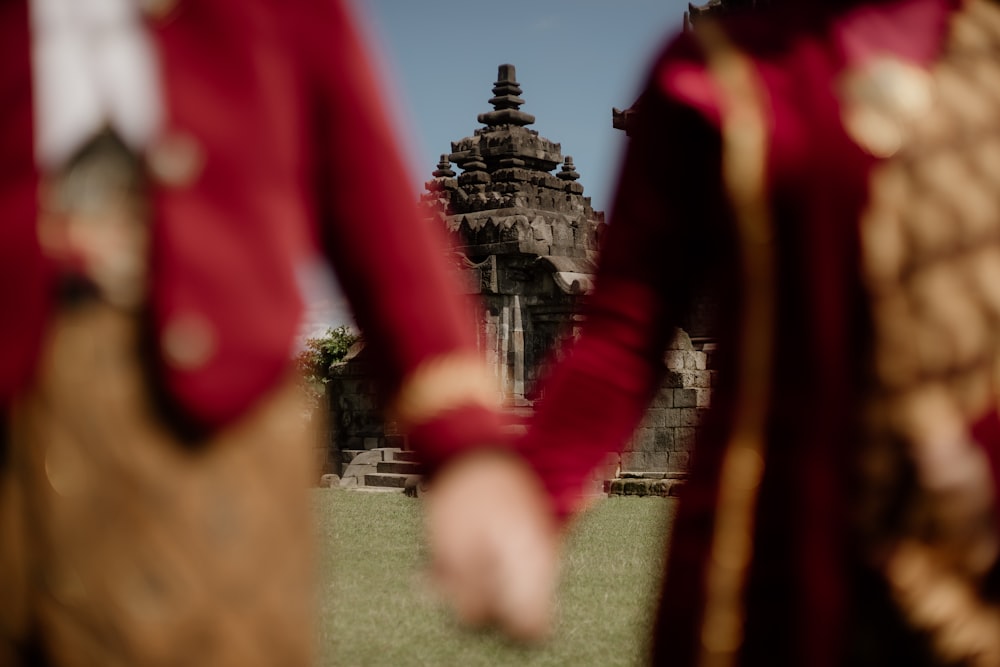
(276, 144)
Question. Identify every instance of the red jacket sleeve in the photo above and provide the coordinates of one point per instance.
(662, 241)
(391, 262)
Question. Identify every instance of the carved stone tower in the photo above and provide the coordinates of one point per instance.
(523, 233)
(525, 238)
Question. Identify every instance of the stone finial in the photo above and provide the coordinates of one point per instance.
(506, 101)
(474, 161)
(568, 172)
(474, 169)
(506, 89)
(444, 169)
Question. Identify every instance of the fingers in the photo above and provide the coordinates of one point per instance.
(494, 545)
(458, 576)
(525, 588)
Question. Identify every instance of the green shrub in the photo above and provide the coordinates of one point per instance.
(319, 354)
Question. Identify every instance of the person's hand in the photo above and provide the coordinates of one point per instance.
(494, 544)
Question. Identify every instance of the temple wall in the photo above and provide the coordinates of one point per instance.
(662, 443)
(666, 436)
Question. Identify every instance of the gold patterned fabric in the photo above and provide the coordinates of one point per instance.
(744, 157)
(120, 545)
(931, 263)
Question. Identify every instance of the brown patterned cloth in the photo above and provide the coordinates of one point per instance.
(931, 262)
(121, 546)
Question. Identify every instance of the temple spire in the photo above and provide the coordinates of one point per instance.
(444, 169)
(506, 101)
(568, 172)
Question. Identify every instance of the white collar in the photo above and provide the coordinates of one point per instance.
(93, 65)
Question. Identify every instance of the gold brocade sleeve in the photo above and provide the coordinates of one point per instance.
(444, 383)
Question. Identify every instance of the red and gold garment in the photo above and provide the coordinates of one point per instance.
(830, 170)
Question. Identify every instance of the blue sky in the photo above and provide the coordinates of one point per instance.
(575, 60)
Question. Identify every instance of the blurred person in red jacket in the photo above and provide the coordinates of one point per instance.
(170, 171)
(830, 170)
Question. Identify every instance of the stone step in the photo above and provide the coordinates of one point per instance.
(405, 455)
(377, 489)
(638, 486)
(386, 479)
(348, 455)
(652, 475)
(399, 467)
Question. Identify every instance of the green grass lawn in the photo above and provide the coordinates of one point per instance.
(374, 611)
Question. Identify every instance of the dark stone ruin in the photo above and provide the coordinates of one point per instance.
(524, 239)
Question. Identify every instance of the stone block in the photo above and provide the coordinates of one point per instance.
(664, 440)
(685, 398)
(513, 233)
(681, 341)
(673, 379)
(405, 455)
(348, 455)
(633, 461)
(641, 487)
(679, 461)
(684, 439)
(672, 418)
(385, 480)
(370, 457)
(372, 443)
(473, 177)
(664, 398)
(362, 465)
(329, 481)
(690, 416)
(658, 461)
(659, 488)
(674, 360)
(541, 230)
(395, 441)
(634, 487)
(694, 361)
(400, 467)
(645, 440)
(704, 397)
(698, 379)
(562, 234)
(536, 247)
(654, 418)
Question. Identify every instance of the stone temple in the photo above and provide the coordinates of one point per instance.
(524, 239)
(524, 235)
